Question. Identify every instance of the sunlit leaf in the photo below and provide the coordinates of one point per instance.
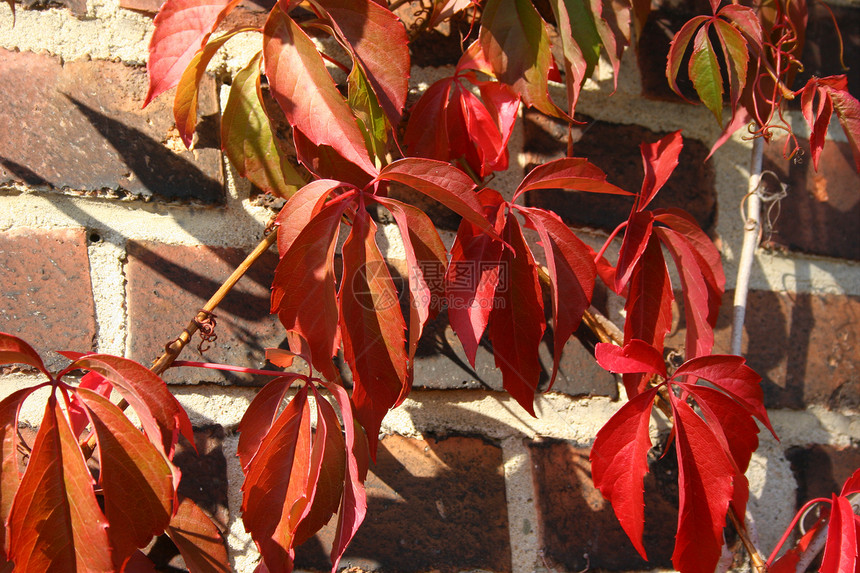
(364, 104)
(659, 160)
(10, 409)
(13, 350)
(705, 489)
(574, 173)
(303, 206)
(55, 523)
(305, 91)
(635, 356)
(260, 415)
(619, 463)
(248, 140)
(185, 102)
(705, 73)
(181, 29)
(161, 415)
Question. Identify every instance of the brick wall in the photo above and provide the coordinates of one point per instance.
(112, 235)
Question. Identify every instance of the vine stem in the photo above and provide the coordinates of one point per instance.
(752, 227)
(172, 350)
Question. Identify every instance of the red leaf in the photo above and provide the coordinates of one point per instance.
(684, 224)
(353, 505)
(704, 490)
(325, 162)
(181, 29)
(733, 376)
(442, 182)
(303, 291)
(847, 109)
(198, 540)
(305, 91)
(634, 357)
(701, 300)
(852, 484)
(817, 118)
(270, 491)
(10, 409)
(472, 276)
(91, 381)
(377, 40)
(473, 135)
(327, 472)
(55, 523)
(517, 319)
(840, 551)
(139, 563)
(426, 260)
(427, 132)
(300, 209)
(135, 478)
(247, 136)
(648, 306)
(574, 173)
(572, 275)
(260, 415)
(636, 239)
(372, 327)
(735, 429)
(161, 415)
(13, 350)
(659, 160)
(619, 463)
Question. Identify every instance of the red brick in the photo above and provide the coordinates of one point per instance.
(433, 505)
(578, 529)
(822, 209)
(46, 291)
(79, 128)
(615, 149)
(821, 470)
(167, 284)
(804, 346)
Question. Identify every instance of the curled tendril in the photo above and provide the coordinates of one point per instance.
(206, 328)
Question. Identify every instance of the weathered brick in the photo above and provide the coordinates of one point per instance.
(79, 128)
(433, 505)
(167, 284)
(820, 213)
(803, 346)
(578, 529)
(821, 470)
(47, 297)
(615, 149)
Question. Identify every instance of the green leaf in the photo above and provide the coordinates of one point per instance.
(514, 41)
(370, 114)
(706, 75)
(248, 140)
(735, 49)
(677, 49)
